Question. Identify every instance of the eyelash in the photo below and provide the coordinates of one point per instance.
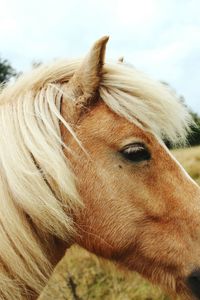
(136, 152)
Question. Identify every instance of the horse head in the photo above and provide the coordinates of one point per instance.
(141, 208)
(83, 161)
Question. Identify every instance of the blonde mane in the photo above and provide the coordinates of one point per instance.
(37, 187)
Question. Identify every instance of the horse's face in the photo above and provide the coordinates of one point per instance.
(141, 208)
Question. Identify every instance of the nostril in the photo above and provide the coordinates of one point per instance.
(194, 283)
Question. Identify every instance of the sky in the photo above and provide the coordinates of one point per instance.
(159, 37)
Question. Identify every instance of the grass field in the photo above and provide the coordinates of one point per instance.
(82, 276)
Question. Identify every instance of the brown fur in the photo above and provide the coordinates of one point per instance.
(142, 219)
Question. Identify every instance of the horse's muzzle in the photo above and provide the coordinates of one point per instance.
(193, 282)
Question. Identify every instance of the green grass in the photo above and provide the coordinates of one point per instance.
(190, 159)
(94, 278)
(82, 276)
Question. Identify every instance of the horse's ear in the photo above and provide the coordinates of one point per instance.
(82, 87)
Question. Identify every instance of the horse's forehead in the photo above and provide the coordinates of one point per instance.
(103, 122)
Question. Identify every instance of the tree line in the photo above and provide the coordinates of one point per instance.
(7, 72)
(194, 135)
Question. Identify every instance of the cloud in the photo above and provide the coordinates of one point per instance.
(160, 37)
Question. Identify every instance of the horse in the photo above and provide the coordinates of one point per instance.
(83, 160)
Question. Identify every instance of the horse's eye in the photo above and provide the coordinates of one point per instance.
(136, 152)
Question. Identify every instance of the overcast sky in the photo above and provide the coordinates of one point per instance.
(160, 37)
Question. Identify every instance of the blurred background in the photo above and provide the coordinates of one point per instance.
(159, 37)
